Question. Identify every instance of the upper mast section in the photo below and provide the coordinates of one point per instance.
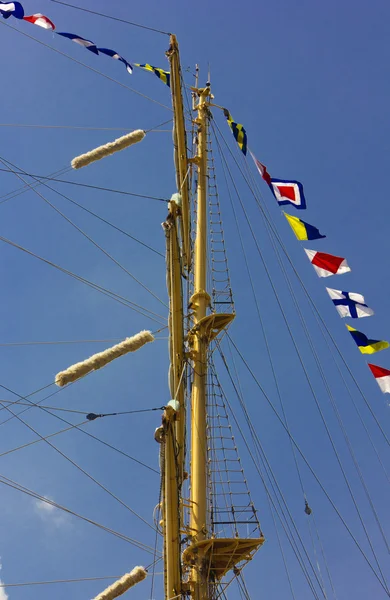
(180, 148)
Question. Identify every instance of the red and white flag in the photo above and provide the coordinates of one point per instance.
(327, 264)
(40, 20)
(382, 377)
(262, 169)
(285, 192)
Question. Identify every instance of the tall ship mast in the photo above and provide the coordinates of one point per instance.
(197, 568)
(262, 469)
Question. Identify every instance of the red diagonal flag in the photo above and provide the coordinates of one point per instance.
(40, 20)
(382, 377)
(327, 264)
(262, 169)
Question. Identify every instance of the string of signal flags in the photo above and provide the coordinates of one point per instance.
(16, 10)
(347, 304)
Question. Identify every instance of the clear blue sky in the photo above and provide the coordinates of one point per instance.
(309, 82)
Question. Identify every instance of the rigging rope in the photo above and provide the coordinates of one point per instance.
(304, 288)
(87, 66)
(87, 210)
(324, 558)
(334, 406)
(2, 160)
(85, 128)
(13, 484)
(333, 403)
(26, 188)
(72, 462)
(90, 416)
(273, 482)
(54, 343)
(316, 399)
(59, 342)
(136, 307)
(269, 358)
(67, 423)
(25, 398)
(93, 12)
(271, 508)
(255, 298)
(83, 579)
(307, 464)
(66, 169)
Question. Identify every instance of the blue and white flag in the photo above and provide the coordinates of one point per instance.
(81, 41)
(117, 56)
(14, 9)
(349, 304)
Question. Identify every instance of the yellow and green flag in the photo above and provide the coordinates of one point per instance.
(165, 76)
(302, 230)
(365, 345)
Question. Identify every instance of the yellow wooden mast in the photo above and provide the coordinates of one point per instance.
(200, 302)
(206, 559)
(172, 432)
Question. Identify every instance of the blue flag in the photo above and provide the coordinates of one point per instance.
(81, 41)
(117, 56)
(14, 9)
(349, 304)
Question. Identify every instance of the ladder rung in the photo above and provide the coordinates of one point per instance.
(232, 523)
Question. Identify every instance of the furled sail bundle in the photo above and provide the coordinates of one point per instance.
(99, 360)
(107, 149)
(123, 584)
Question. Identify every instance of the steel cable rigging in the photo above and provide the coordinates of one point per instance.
(330, 395)
(307, 463)
(77, 466)
(319, 408)
(17, 486)
(87, 66)
(284, 250)
(136, 307)
(4, 161)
